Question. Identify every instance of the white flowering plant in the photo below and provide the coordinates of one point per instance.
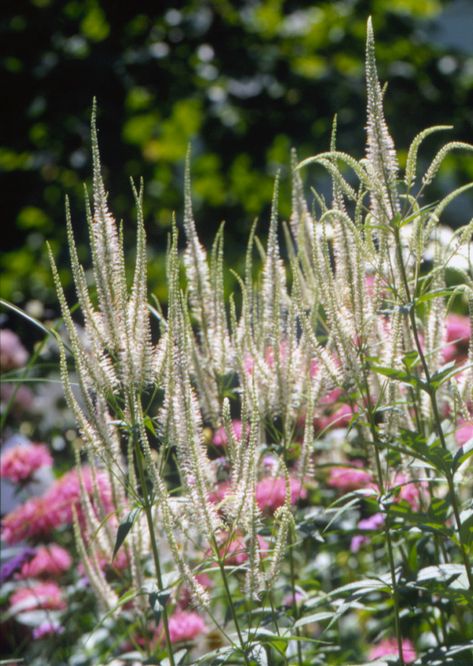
(282, 477)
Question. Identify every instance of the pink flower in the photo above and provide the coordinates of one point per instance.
(349, 478)
(248, 364)
(40, 515)
(464, 433)
(47, 629)
(340, 418)
(271, 492)
(389, 647)
(409, 491)
(21, 461)
(220, 437)
(27, 521)
(372, 523)
(457, 336)
(12, 353)
(46, 596)
(49, 560)
(236, 552)
(185, 626)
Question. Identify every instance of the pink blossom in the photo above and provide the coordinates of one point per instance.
(236, 552)
(220, 437)
(185, 626)
(409, 491)
(457, 335)
(464, 433)
(21, 395)
(21, 461)
(27, 521)
(271, 492)
(248, 364)
(12, 353)
(340, 418)
(49, 560)
(372, 523)
(49, 628)
(40, 515)
(349, 478)
(46, 595)
(389, 647)
(220, 492)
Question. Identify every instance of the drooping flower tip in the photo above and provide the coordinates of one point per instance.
(389, 647)
(21, 461)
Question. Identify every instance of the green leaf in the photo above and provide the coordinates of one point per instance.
(157, 600)
(124, 528)
(315, 617)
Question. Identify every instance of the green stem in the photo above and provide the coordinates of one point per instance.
(392, 568)
(154, 548)
(230, 599)
(295, 608)
(435, 409)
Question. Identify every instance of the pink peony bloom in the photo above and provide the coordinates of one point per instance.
(185, 626)
(50, 560)
(349, 478)
(12, 353)
(389, 647)
(271, 492)
(20, 462)
(47, 629)
(40, 515)
(47, 596)
(464, 433)
(220, 437)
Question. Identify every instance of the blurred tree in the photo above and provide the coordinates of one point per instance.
(244, 81)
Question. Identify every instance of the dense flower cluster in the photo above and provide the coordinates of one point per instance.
(20, 462)
(40, 515)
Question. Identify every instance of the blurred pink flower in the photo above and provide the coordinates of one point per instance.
(50, 560)
(410, 491)
(12, 353)
(339, 418)
(235, 551)
(349, 478)
(21, 461)
(389, 647)
(22, 397)
(271, 492)
(185, 626)
(457, 336)
(46, 595)
(372, 523)
(40, 515)
(49, 628)
(464, 433)
(220, 436)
